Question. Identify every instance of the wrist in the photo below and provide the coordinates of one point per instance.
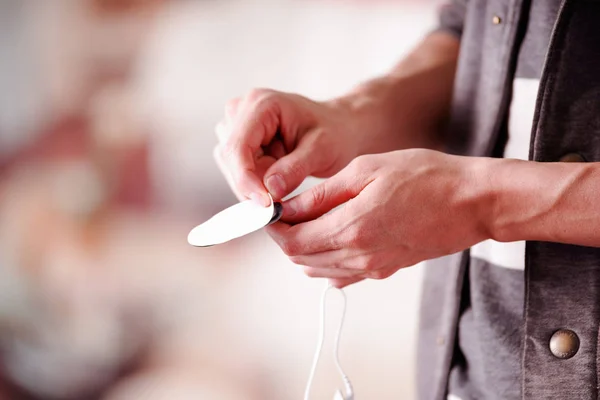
(494, 197)
(479, 193)
(363, 112)
(391, 113)
(408, 107)
(549, 202)
(520, 202)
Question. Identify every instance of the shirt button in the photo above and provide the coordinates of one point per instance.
(564, 344)
(496, 20)
(440, 340)
(572, 157)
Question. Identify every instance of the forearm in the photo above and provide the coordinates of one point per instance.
(408, 107)
(554, 202)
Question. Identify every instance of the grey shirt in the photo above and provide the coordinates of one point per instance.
(487, 357)
(561, 283)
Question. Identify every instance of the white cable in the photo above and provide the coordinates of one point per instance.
(317, 356)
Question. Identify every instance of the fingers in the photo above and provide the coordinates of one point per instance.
(303, 239)
(222, 133)
(337, 255)
(276, 149)
(341, 283)
(256, 122)
(347, 276)
(324, 197)
(292, 169)
(263, 163)
(223, 128)
(331, 273)
(221, 164)
(231, 109)
(334, 231)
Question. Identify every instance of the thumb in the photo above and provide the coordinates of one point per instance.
(322, 198)
(291, 170)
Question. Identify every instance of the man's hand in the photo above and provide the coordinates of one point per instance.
(272, 141)
(399, 209)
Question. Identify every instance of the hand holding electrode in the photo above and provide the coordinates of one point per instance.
(399, 209)
(269, 142)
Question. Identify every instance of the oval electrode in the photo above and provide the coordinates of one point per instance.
(236, 221)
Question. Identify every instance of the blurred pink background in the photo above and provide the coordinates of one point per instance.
(106, 135)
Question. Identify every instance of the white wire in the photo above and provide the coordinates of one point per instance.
(317, 356)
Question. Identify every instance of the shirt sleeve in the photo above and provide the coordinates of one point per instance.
(451, 16)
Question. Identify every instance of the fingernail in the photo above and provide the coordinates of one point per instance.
(262, 200)
(276, 186)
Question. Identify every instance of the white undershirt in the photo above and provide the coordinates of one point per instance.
(512, 255)
(522, 107)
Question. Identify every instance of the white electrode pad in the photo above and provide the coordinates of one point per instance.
(234, 222)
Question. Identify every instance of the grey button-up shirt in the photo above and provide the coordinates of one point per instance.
(561, 310)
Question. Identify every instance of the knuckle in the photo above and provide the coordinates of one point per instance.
(296, 169)
(337, 283)
(362, 165)
(263, 109)
(379, 274)
(340, 265)
(229, 149)
(357, 164)
(290, 248)
(355, 236)
(254, 94)
(311, 272)
(260, 95)
(283, 244)
(370, 264)
(231, 106)
(296, 260)
(317, 196)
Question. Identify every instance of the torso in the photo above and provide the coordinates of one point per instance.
(487, 358)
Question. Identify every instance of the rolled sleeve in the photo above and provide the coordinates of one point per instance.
(451, 16)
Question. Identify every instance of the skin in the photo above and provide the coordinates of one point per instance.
(402, 200)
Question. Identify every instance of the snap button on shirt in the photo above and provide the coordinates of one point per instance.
(564, 344)
(572, 157)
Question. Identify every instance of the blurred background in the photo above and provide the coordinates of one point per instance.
(107, 112)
